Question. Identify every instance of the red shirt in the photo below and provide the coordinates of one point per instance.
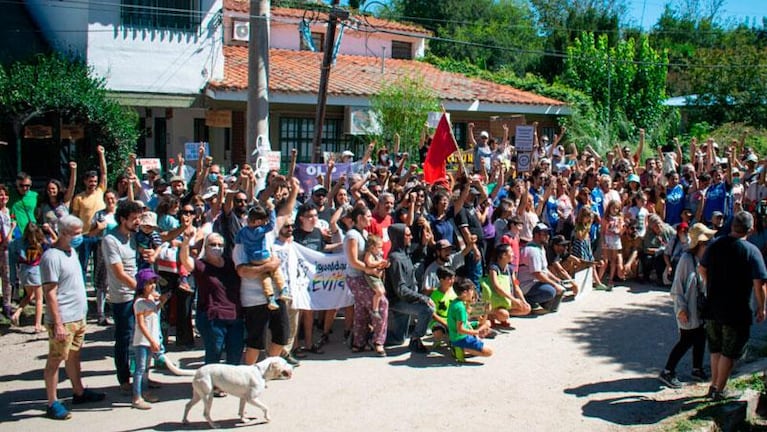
(379, 226)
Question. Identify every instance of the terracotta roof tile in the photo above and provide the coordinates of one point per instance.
(298, 72)
(361, 20)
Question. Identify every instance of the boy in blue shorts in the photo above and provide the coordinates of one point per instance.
(460, 330)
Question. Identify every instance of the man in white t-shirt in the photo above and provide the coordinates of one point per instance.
(539, 285)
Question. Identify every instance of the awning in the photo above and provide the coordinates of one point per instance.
(153, 100)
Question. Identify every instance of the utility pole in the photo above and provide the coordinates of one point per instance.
(322, 95)
(258, 77)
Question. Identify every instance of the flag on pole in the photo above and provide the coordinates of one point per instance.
(442, 145)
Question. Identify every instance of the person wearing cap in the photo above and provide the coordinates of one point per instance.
(347, 156)
(320, 202)
(685, 291)
(717, 221)
(86, 204)
(65, 304)
(738, 189)
(147, 185)
(159, 188)
(658, 235)
(482, 152)
(147, 237)
(718, 196)
(443, 257)
(178, 186)
(542, 289)
(733, 270)
(674, 250)
(556, 254)
(146, 335)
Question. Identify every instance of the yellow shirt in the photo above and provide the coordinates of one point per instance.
(85, 206)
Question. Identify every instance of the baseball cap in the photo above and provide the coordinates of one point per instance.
(347, 153)
(603, 170)
(752, 158)
(160, 182)
(683, 226)
(559, 240)
(148, 218)
(153, 171)
(540, 226)
(177, 178)
(633, 178)
(319, 189)
(717, 214)
(516, 220)
(484, 134)
(442, 244)
(210, 192)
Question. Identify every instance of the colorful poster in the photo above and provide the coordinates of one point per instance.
(307, 173)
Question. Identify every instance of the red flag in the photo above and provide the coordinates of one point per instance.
(442, 145)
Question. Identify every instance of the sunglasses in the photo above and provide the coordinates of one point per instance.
(186, 212)
(25, 185)
(239, 201)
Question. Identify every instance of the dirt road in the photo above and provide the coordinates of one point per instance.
(590, 367)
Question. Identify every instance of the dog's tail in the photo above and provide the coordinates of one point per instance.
(177, 370)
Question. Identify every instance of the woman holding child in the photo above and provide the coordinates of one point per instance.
(354, 249)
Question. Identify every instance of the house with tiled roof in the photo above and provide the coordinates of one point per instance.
(183, 65)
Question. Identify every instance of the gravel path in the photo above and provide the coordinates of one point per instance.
(590, 367)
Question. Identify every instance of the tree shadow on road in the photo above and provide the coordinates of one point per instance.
(637, 337)
(626, 385)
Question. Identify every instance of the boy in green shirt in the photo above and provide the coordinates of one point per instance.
(442, 296)
(460, 330)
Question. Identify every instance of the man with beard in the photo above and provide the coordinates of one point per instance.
(402, 292)
(233, 217)
(119, 252)
(86, 204)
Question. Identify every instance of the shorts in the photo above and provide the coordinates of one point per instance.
(726, 339)
(73, 341)
(375, 283)
(438, 327)
(29, 275)
(469, 342)
(613, 242)
(259, 319)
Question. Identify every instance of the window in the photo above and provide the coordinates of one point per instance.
(298, 133)
(201, 132)
(161, 14)
(319, 42)
(401, 50)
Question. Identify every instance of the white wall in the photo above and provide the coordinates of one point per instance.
(286, 36)
(135, 60)
(64, 23)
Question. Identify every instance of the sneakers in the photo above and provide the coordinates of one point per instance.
(670, 379)
(285, 294)
(88, 396)
(417, 346)
(699, 375)
(716, 395)
(141, 404)
(106, 321)
(272, 305)
(57, 412)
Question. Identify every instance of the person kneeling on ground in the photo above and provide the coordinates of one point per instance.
(462, 335)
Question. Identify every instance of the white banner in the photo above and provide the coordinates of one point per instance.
(317, 280)
(523, 139)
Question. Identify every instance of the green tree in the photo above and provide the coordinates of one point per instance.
(402, 107)
(490, 33)
(626, 80)
(56, 84)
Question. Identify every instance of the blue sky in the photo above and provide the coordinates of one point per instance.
(738, 10)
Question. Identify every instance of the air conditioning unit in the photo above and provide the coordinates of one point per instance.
(241, 31)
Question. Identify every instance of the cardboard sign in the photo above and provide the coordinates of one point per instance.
(149, 163)
(274, 158)
(523, 139)
(218, 118)
(190, 150)
(524, 162)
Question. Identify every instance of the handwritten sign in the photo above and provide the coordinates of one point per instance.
(149, 163)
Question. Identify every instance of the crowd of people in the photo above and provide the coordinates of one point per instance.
(456, 258)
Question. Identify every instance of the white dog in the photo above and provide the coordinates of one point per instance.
(244, 382)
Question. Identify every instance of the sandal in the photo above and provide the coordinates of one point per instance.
(316, 349)
(324, 339)
(299, 352)
(380, 351)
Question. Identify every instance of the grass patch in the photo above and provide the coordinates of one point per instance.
(754, 381)
(685, 425)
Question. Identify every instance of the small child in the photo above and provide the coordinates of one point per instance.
(253, 238)
(146, 334)
(147, 237)
(33, 244)
(442, 296)
(462, 335)
(373, 258)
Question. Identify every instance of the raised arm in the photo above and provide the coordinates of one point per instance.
(395, 150)
(102, 167)
(72, 183)
(472, 140)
